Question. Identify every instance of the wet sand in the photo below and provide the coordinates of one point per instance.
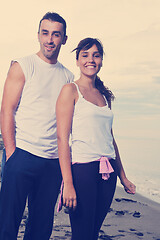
(130, 218)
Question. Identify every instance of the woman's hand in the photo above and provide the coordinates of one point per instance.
(69, 196)
(128, 186)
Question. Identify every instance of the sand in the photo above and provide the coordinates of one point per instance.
(130, 218)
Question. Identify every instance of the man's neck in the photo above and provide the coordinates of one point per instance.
(50, 61)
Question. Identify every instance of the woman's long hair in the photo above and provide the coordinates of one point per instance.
(104, 90)
(86, 44)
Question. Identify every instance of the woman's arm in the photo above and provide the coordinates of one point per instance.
(64, 115)
(128, 186)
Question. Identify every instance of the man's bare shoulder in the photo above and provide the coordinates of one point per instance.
(15, 72)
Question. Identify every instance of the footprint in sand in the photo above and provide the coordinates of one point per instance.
(124, 199)
(120, 213)
(136, 214)
(140, 234)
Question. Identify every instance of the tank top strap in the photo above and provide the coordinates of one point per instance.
(107, 103)
(79, 93)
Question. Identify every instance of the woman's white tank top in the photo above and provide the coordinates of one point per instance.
(91, 131)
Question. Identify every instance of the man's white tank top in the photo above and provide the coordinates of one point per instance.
(91, 136)
(35, 117)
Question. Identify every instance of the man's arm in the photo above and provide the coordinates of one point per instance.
(11, 95)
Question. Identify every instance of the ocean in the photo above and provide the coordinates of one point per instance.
(140, 158)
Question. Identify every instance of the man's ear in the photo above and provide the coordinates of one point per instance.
(77, 63)
(38, 36)
(64, 40)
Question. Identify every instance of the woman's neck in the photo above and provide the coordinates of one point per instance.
(86, 82)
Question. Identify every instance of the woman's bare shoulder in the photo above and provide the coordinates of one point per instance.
(70, 86)
(69, 89)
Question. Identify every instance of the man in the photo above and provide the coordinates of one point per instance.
(28, 125)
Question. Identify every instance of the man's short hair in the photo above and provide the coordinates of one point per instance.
(55, 17)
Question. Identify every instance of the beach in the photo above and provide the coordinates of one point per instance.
(130, 217)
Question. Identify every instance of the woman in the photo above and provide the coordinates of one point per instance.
(84, 111)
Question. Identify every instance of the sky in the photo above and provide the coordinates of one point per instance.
(130, 33)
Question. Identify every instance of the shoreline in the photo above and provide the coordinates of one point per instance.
(137, 197)
(130, 217)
